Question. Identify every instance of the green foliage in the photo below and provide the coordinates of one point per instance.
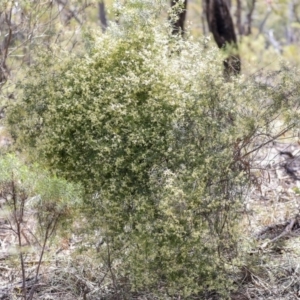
(161, 144)
(53, 199)
(33, 198)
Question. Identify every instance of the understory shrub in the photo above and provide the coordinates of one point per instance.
(35, 206)
(162, 144)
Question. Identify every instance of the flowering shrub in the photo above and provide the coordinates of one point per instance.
(147, 123)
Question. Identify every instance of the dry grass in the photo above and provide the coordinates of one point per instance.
(273, 269)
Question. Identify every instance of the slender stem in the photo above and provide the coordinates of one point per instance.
(110, 268)
(18, 220)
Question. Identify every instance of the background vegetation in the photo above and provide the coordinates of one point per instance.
(141, 124)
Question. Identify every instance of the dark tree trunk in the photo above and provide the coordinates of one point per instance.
(102, 15)
(178, 26)
(221, 25)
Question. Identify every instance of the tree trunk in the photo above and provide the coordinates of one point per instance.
(178, 25)
(228, 3)
(102, 15)
(6, 26)
(291, 19)
(248, 24)
(239, 17)
(203, 18)
(221, 25)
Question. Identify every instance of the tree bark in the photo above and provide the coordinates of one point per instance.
(239, 17)
(248, 25)
(178, 25)
(102, 15)
(228, 3)
(221, 25)
(291, 19)
(6, 24)
(203, 18)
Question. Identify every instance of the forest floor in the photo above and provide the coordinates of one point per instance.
(272, 218)
(271, 222)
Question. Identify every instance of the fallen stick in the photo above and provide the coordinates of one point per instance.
(286, 232)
